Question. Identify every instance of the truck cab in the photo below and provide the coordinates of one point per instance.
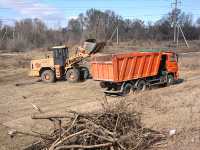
(169, 64)
(172, 64)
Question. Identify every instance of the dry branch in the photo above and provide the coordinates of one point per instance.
(84, 147)
(50, 116)
(115, 128)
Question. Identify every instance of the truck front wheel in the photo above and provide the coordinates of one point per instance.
(48, 76)
(73, 75)
(170, 80)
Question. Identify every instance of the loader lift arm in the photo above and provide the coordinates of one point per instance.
(90, 48)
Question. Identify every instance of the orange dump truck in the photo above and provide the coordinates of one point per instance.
(121, 73)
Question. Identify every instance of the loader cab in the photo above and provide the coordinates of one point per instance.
(60, 54)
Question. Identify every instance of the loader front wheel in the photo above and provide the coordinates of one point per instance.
(84, 73)
(48, 76)
(73, 75)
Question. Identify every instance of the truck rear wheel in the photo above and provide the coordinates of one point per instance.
(127, 88)
(73, 75)
(48, 76)
(103, 84)
(141, 85)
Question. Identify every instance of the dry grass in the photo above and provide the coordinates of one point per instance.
(190, 62)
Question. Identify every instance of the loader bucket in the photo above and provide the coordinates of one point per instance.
(98, 48)
(92, 47)
(89, 46)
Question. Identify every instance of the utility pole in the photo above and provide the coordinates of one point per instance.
(176, 26)
(117, 35)
(97, 26)
(6, 29)
(179, 27)
(13, 34)
(113, 33)
(174, 13)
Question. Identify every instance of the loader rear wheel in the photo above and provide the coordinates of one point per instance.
(48, 76)
(73, 75)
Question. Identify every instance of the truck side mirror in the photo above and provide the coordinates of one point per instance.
(177, 57)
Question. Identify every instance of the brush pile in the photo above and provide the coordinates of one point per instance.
(114, 128)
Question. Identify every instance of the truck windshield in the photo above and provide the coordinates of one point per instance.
(173, 58)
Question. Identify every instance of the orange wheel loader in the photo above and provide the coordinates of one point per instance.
(60, 66)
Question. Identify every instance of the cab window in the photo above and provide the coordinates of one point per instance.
(55, 53)
(173, 58)
(60, 52)
(65, 52)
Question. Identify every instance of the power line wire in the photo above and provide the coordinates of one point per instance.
(63, 7)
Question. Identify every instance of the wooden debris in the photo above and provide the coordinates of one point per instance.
(50, 116)
(114, 128)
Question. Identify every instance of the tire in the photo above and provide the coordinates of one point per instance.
(73, 75)
(109, 86)
(84, 73)
(127, 88)
(170, 80)
(141, 85)
(48, 76)
(103, 84)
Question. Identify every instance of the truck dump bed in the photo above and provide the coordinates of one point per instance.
(124, 67)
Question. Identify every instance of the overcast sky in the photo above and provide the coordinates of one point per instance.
(58, 12)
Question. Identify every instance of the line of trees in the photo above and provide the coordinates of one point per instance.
(34, 33)
(27, 34)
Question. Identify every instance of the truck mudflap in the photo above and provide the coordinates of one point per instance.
(176, 75)
(111, 92)
(122, 91)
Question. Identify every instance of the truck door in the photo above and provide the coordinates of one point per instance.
(172, 63)
(163, 65)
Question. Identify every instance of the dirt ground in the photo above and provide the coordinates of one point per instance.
(176, 107)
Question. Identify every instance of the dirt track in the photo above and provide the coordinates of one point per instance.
(175, 107)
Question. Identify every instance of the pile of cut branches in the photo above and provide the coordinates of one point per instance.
(114, 128)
